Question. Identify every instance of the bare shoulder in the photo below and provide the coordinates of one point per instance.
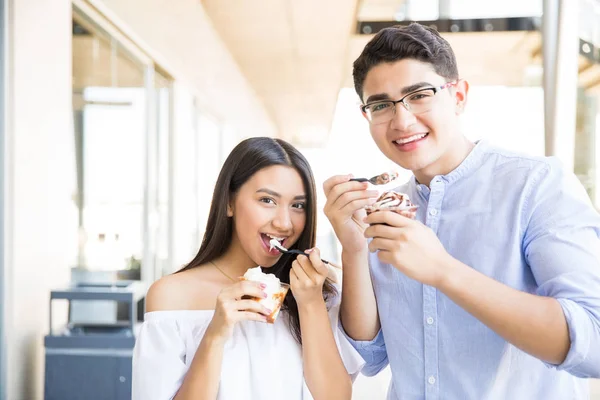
(188, 290)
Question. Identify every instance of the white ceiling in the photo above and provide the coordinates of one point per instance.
(293, 54)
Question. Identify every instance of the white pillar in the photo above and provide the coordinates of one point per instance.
(561, 54)
(41, 222)
(3, 344)
(549, 40)
(444, 9)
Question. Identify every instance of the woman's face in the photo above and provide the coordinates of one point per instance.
(271, 204)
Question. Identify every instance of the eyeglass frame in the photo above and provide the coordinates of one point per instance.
(435, 89)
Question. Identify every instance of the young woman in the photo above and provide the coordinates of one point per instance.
(202, 339)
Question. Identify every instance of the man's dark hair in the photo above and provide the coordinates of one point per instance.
(396, 43)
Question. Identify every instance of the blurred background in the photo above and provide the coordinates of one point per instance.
(117, 115)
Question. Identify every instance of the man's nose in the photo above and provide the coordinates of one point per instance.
(402, 118)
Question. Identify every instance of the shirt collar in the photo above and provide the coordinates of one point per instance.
(466, 167)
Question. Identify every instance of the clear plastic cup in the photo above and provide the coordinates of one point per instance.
(274, 301)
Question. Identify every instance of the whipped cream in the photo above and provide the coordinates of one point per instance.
(272, 289)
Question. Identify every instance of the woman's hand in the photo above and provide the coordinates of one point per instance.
(232, 308)
(307, 277)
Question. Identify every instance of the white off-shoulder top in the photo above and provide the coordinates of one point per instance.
(260, 362)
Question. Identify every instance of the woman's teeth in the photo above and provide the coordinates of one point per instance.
(275, 242)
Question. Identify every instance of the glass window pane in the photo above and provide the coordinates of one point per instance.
(163, 95)
(110, 113)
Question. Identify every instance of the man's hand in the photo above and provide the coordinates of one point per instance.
(408, 245)
(345, 209)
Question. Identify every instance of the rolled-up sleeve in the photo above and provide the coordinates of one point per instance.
(373, 352)
(562, 246)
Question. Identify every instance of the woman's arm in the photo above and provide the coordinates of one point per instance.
(324, 371)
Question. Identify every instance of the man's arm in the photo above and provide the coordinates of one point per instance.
(344, 209)
(358, 313)
(535, 324)
(561, 244)
(359, 319)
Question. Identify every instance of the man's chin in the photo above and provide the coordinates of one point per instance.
(412, 162)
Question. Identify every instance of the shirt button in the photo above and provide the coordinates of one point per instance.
(433, 211)
(431, 380)
(430, 321)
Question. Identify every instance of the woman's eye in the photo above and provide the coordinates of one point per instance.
(300, 206)
(267, 200)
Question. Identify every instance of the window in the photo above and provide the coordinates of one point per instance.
(121, 109)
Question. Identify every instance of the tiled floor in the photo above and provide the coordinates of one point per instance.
(376, 388)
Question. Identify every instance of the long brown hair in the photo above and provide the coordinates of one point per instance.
(246, 159)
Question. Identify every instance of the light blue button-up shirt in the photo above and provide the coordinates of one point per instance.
(523, 221)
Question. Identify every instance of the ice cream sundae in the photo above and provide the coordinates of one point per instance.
(275, 290)
(393, 201)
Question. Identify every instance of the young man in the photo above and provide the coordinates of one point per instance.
(494, 291)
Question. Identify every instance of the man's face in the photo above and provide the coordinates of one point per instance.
(416, 141)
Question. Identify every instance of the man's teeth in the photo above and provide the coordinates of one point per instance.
(411, 138)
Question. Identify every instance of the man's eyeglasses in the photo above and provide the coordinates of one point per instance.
(417, 102)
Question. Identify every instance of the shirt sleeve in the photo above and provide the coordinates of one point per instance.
(373, 352)
(561, 244)
(158, 360)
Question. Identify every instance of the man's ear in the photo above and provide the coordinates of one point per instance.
(364, 114)
(461, 91)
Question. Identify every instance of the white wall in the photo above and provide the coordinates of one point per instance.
(595, 389)
(40, 177)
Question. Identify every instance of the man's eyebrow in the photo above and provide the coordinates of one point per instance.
(416, 86)
(405, 90)
(377, 97)
(275, 194)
